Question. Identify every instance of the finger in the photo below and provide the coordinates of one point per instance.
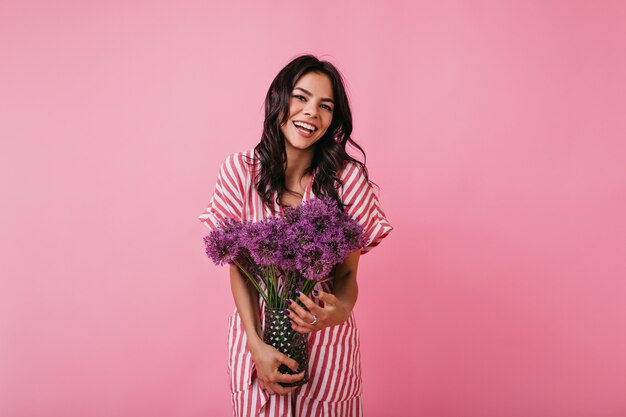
(266, 387)
(288, 378)
(298, 320)
(305, 314)
(279, 389)
(289, 363)
(308, 303)
(301, 329)
(326, 297)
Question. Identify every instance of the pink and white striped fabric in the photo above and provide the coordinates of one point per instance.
(334, 387)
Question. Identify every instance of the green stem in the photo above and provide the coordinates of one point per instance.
(284, 289)
(308, 286)
(272, 281)
(252, 280)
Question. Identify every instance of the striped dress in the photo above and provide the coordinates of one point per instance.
(334, 387)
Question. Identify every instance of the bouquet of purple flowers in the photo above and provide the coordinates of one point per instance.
(282, 255)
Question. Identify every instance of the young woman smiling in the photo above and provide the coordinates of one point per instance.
(302, 155)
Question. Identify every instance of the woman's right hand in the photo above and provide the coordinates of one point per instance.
(267, 359)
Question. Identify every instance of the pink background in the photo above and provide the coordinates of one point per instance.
(495, 130)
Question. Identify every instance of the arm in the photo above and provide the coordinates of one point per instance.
(266, 358)
(247, 302)
(337, 306)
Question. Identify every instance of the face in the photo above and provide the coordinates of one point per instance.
(311, 109)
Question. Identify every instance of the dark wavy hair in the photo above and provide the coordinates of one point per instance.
(330, 155)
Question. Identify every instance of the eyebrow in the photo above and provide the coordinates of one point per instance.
(309, 93)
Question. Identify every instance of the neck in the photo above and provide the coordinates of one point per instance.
(298, 160)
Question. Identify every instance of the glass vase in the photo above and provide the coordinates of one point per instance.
(278, 333)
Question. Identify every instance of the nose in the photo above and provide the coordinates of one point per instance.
(310, 108)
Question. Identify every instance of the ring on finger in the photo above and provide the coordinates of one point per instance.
(314, 320)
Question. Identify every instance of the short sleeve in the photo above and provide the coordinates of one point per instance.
(363, 205)
(228, 198)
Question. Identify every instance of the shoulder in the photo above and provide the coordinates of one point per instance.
(236, 171)
(363, 205)
(351, 172)
(239, 160)
(349, 169)
(238, 164)
(353, 180)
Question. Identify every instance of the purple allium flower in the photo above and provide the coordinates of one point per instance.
(325, 236)
(319, 212)
(223, 244)
(263, 240)
(289, 249)
(290, 252)
(313, 262)
(292, 214)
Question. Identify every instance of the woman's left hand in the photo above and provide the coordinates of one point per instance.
(314, 317)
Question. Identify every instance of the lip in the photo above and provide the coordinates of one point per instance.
(309, 123)
(303, 133)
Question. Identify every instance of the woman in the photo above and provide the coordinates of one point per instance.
(301, 155)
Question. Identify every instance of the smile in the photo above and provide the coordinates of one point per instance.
(308, 127)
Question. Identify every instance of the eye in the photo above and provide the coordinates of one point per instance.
(327, 107)
(299, 97)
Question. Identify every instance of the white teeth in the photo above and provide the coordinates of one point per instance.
(305, 125)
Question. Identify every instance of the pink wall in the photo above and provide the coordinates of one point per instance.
(495, 130)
